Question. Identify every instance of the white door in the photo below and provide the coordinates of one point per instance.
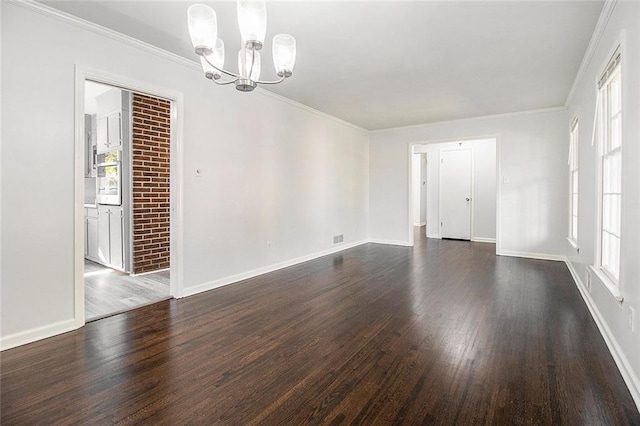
(455, 194)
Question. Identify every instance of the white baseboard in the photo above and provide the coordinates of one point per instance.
(150, 272)
(390, 242)
(540, 256)
(629, 377)
(30, 336)
(190, 291)
(420, 224)
(483, 240)
(434, 236)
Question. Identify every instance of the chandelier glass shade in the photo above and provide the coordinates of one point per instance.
(252, 21)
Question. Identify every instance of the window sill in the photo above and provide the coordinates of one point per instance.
(608, 284)
(574, 244)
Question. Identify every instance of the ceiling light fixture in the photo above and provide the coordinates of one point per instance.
(252, 20)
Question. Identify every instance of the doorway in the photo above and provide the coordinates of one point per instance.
(471, 171)
(128, 191)
(127, 199)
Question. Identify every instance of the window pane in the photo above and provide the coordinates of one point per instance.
(606, 174)
(606, 212)
(615, 214)
(615, 103)
(606, 250)
(611, 172)
(616, 172)
(615, 127)
(615, 257)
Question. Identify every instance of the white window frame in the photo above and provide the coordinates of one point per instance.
(609, 146)
(573, 183)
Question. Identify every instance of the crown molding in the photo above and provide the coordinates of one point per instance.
(479, 118)
(601, 25)
(59, 15)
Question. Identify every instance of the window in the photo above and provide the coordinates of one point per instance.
(610, 157)
(573, 182)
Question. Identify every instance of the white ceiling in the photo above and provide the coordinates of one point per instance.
(383, 64)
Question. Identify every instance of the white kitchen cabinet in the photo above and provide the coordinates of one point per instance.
(114, 134)
(102, 129)
(111, 107)
(92, 235)
(109, 132)
(110, 241)
(104, 235)
(115, 237)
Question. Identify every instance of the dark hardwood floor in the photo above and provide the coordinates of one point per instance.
(444, 333)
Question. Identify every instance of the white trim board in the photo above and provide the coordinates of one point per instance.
(125, 39)
(390, 242)
(483, 240)
(539, 256)
(35, 334)
(190, 291)
(150, 272)
(436, 236)
(630, 379)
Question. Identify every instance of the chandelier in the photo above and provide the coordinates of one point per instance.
(252, 20)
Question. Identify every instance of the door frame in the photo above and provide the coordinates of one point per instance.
(423, 157)
(176, 235)
(410, 146)
(471, 196)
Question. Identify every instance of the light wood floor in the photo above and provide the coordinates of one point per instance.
(108, 292)
(444, 333)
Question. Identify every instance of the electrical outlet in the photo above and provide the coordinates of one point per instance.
(338, 238)
(632, 314)
(269, 245)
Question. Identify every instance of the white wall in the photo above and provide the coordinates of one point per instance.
(272, 171)
(532, 152)
(613, 316)
(484, 191)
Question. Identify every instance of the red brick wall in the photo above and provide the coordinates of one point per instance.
(150, 159)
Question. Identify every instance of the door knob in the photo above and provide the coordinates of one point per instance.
(468, 199)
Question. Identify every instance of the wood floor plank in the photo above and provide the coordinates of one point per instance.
(442, 333)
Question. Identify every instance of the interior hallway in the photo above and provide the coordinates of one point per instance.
(444, 332)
